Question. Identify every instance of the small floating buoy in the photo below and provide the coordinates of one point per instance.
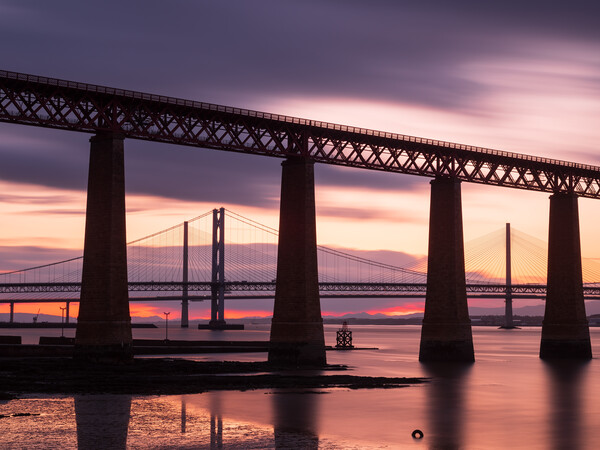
(417, 434)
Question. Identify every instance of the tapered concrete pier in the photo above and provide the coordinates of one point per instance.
(104, 324)
(565, 331)
(446, 331)
(297, 337)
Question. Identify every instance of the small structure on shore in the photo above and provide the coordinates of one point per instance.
(344, 337)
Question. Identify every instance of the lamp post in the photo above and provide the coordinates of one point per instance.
(167, 325)
(62, 321)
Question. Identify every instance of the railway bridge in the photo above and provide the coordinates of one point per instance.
(112, 115)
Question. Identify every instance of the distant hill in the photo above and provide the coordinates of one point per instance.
(592, 307)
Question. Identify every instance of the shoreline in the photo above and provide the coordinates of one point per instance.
(170, 376)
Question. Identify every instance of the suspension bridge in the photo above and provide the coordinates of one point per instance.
(183, 263)
(113, 115)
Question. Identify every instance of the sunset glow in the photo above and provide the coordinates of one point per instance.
(305, 224)
(50, 309)
(240, 314)
(404, 310)
(137, 309)
(532, 90)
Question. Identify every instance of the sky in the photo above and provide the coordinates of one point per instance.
(516, 76)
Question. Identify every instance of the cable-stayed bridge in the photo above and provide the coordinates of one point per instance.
(183, 263)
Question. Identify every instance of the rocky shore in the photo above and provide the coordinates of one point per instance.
(165, 376)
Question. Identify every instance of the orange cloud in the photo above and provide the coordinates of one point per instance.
(145, 310)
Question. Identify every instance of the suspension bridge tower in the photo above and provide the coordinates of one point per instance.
(217, 305)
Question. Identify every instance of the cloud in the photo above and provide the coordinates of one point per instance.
(504, 74)
(393, 258)
(366, 214)
(20, 257)
(34, 199)
(244, 51)
(331, 175)
(60, 160)
(197, 174)
(60, 212)
(39, 156)
(248, 54)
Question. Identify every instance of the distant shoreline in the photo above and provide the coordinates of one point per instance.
(60, 325)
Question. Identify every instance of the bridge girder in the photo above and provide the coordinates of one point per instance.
(269, 286)
(48, 102)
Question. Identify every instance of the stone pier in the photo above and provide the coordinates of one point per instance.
(104, 324)
(446, 331)
(565, 332)
(297, 337)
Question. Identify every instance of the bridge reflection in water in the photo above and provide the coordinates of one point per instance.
(492, 404)
(102, 421)
(565, 389)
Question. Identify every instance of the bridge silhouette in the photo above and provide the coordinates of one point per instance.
(113, 115)
(179, 261)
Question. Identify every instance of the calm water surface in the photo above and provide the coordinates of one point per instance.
(507, 399)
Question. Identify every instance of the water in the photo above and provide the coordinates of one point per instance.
(507, 399)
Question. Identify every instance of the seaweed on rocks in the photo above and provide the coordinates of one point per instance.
(166, 376)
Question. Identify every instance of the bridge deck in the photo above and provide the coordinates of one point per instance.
(49, 102)
(247, 287)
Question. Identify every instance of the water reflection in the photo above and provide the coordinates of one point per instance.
(102, 421)
(296, 415)
(565, 401)
(445, 404)
(183, 415)
(216, 423)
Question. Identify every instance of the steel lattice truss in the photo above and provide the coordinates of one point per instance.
(48, 102)
(333, 289)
